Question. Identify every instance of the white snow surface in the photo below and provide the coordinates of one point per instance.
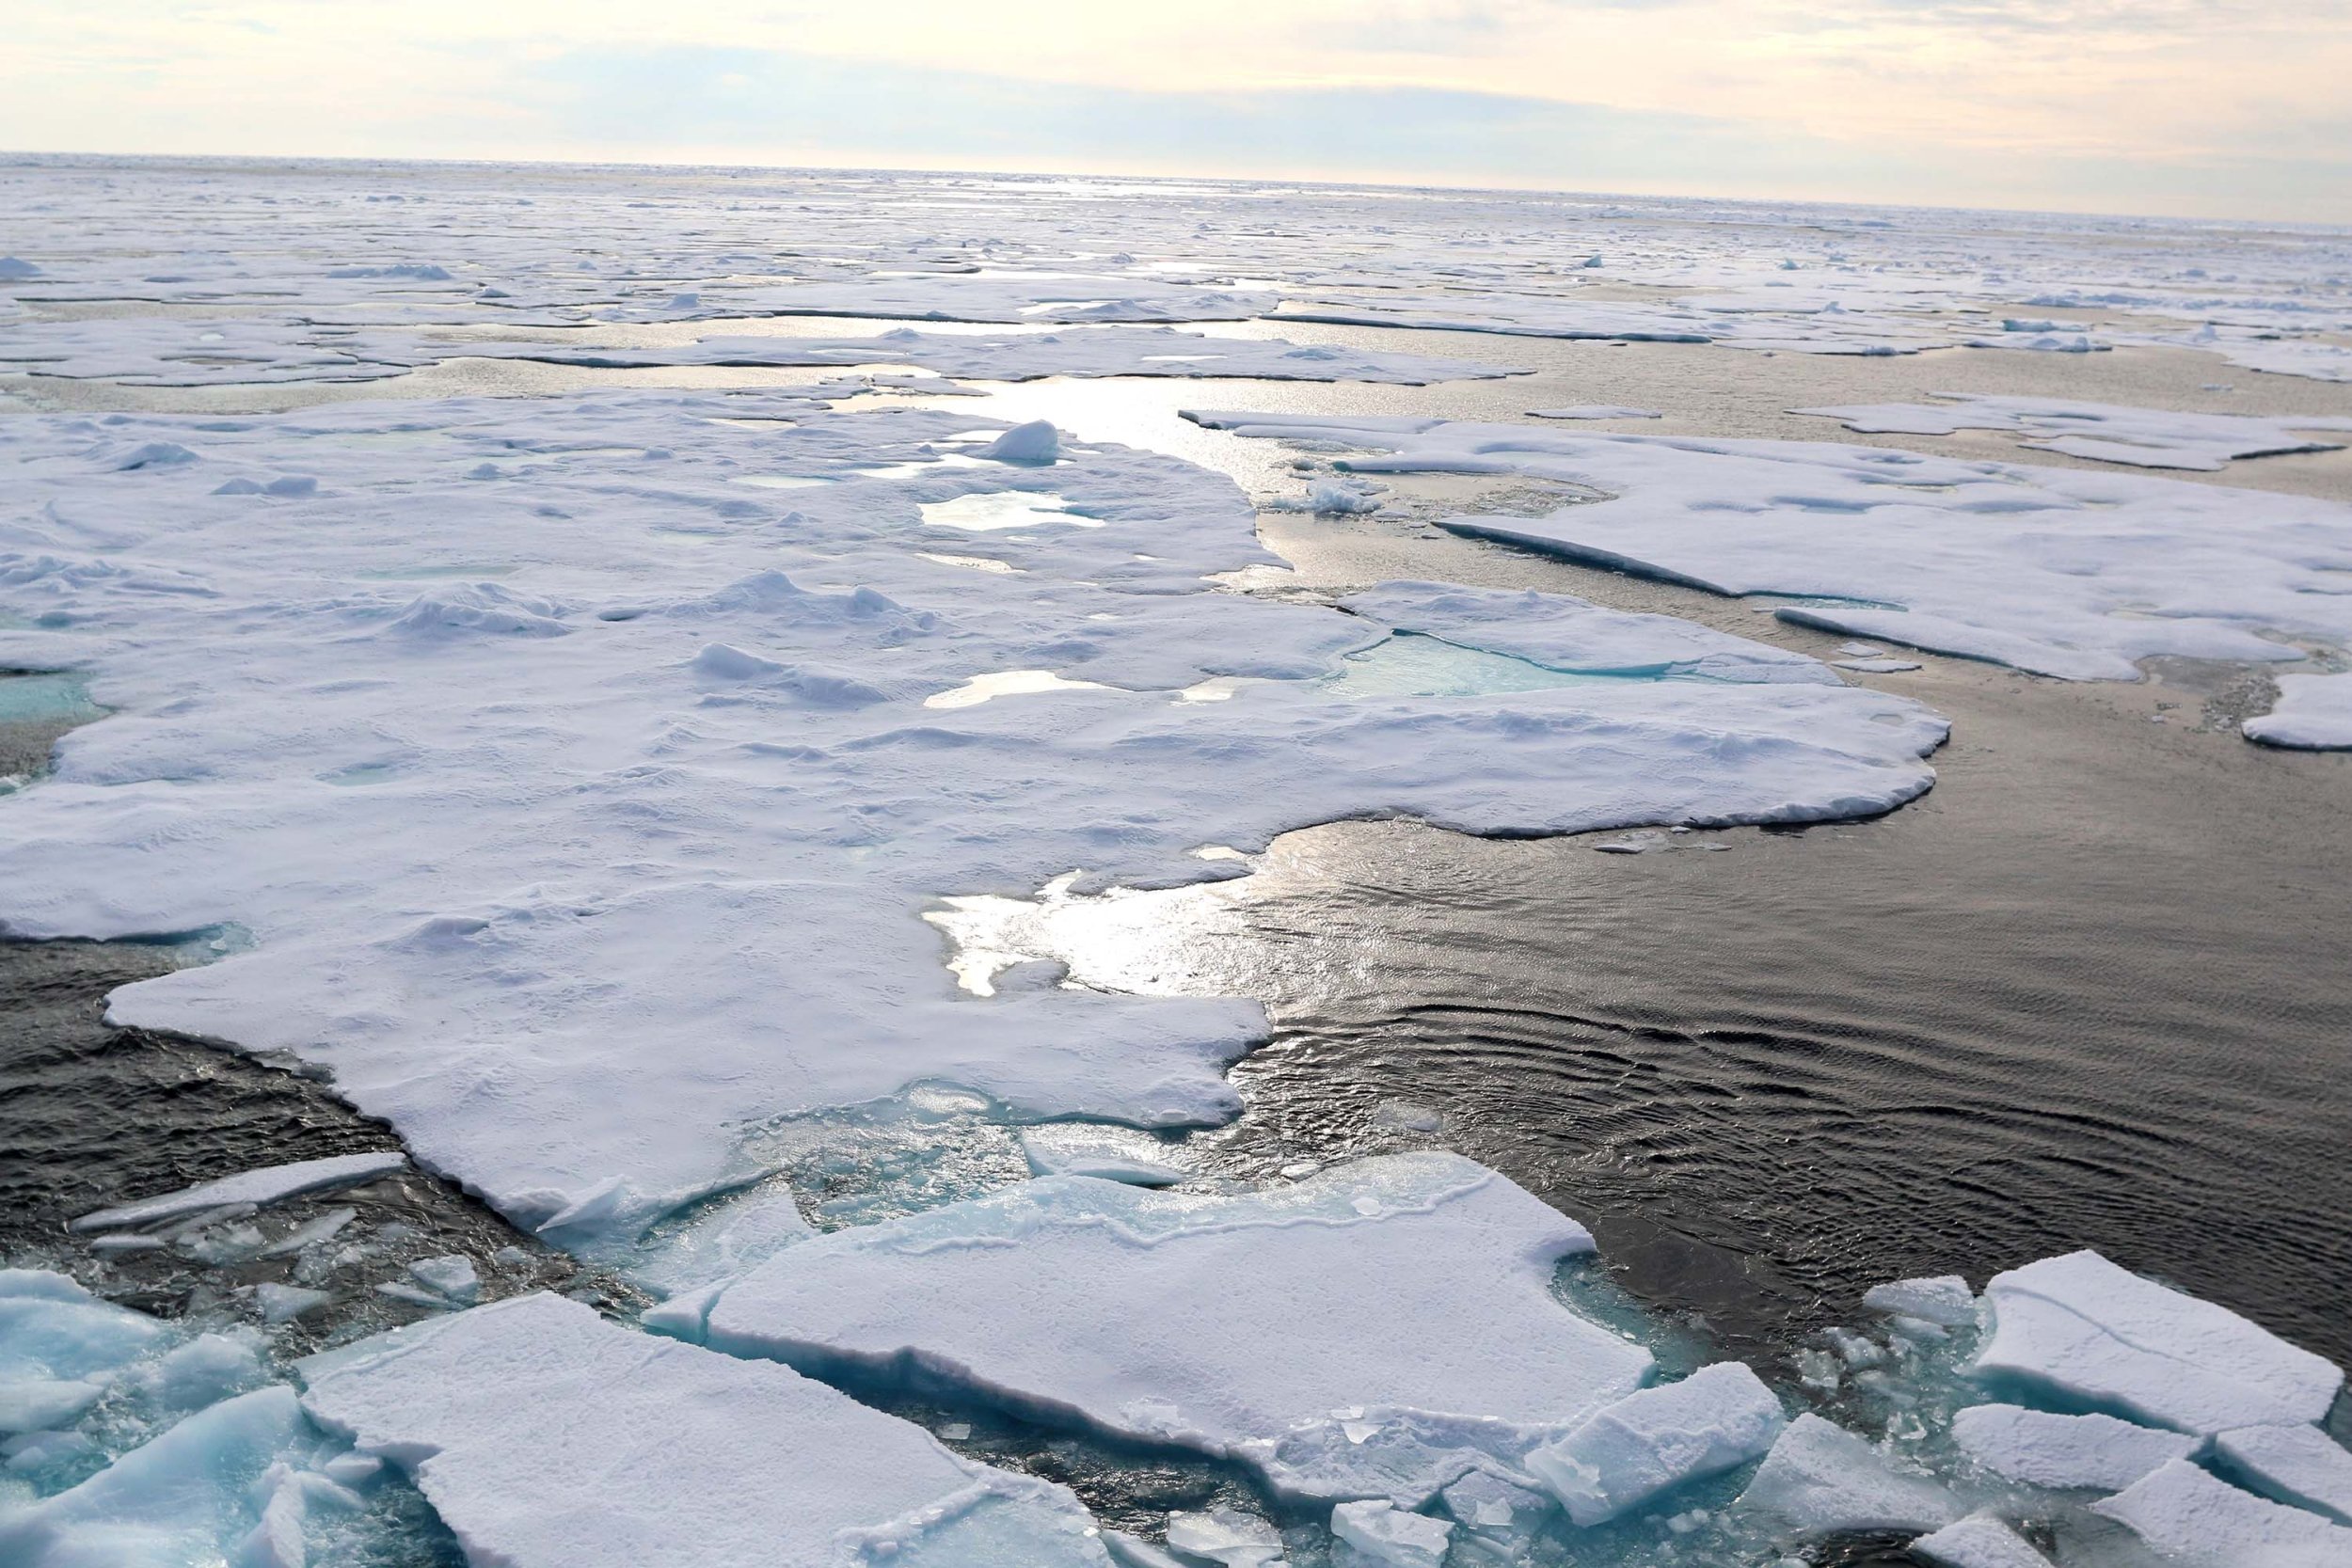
(1410, 1296)
(2045, 1448)
(2192, 1519)
(2312, 713)
(582, 910)
(547, 1437)
(2070, 572)
(2078, 1328)
(1717, 1419)
(2299, 1464)
(270, 1184)
(2141, 438)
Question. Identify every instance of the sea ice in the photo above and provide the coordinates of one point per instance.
(1226, 1536)
(1561, 632)
(545, 1437)
(2043, 1448)
(600, 912)
(1383, 1533)
(2078, 1328)
(2189, 1518)
(1821, 1480)
(1979, 1541)
(1595, 411)
(269, 1185)
(2143, 438)
(452, 1276)
(281, 1303)
(1113, 1153)
(2060, 572)
(2299, 1464)
(1717, 1419)
(2312, 713)
(1427, 1250)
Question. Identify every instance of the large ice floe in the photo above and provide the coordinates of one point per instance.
(2079, 574)
(2141, 437)
(581, 794)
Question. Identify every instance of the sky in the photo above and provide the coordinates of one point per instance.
(2215, 108)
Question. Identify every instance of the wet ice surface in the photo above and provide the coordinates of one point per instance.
(735, 753)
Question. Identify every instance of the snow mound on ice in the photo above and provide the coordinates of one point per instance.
(2082, 1330)
(2312, 713)
(1037, 1296)
(547, 1437)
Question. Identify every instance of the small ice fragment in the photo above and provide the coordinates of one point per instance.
(1405, 1115)
(2298, 1464)
(1128, 1551)
(206, 1370)
(1945, 1299)
(352, 1470)
(1859, 650)
(1979, 1541)
(35, 1404)
(1225, 1535)
(267, 1185)
(1718, 1418)
(1036, 442)
(2044, 1449)
(317, 1229)
(1632, 844)
(956, 1432)
(452, 1276)
(2191, 1519)
(2097, 1334)
(1823, 1479)
(284, 1303)
(1877, 666)
(1114, 1153)
(1388, 1534)
(128, 1242)
(1595, 411)
(412, 1295)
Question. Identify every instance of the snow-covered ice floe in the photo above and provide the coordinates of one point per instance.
(583, 801)
(1149, 1316)
(2141, 437)
(547, 1437)
(2073, 574)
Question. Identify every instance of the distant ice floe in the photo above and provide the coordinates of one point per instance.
(2063, 572)
(586, 866)
(2141, 438)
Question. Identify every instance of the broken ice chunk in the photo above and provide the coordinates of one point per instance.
(178, 1499)
(2191, 1519)
(2298, 1464)
(35, 1404)
(2046, 1450)
(1113, 1153)
(1718, 1418)
(1147, 1313)
(51, 1330)
(452, 1276)
(1979, 1541)
(318, 1228)
(1497, 1513)
(1945, 1299)
(2087, 1332)
(559, 1440)
(1821, 1480)
(281, 1303)
(267, 1185)
(1226, 1536)
(1387, 1534)
(207, 1369)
